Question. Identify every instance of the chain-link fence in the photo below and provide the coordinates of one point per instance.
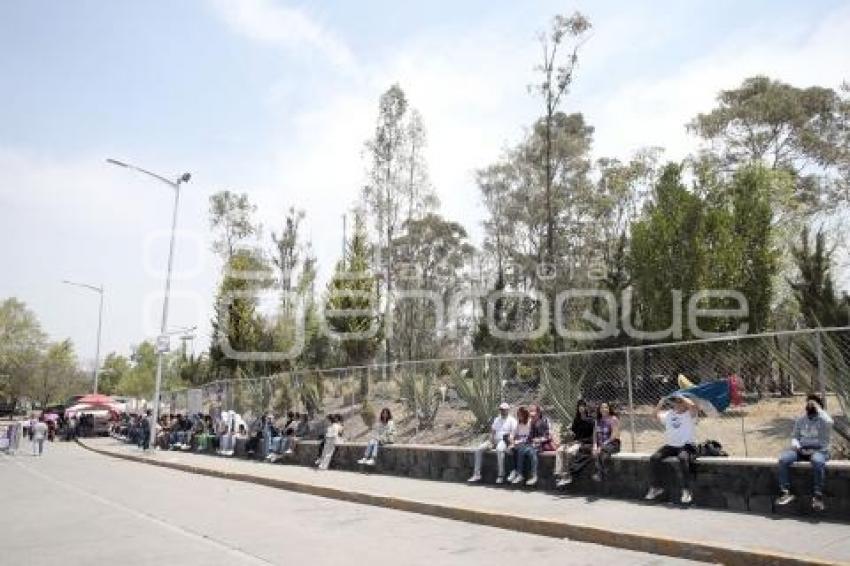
(452, 401)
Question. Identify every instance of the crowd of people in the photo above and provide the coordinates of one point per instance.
(265, 438)
(590, 443)
(594, 437)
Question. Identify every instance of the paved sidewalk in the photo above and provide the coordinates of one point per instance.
(709, 535)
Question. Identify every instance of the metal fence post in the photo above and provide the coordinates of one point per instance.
(821, 380)
(631, 395)
(740, 375)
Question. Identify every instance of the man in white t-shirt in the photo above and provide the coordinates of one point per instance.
(680, 441)
(501, 435)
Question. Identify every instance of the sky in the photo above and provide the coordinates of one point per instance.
(276, 99)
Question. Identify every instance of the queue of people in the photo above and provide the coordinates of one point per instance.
(590, 443)
(594, 437)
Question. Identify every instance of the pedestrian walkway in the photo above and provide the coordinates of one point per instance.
(708, 535)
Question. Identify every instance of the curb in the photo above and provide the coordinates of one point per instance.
(637, 541)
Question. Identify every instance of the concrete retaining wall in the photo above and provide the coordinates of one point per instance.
(737, 484)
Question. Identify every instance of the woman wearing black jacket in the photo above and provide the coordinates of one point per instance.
(574, 455)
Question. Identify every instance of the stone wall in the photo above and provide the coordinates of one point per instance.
(737, 484)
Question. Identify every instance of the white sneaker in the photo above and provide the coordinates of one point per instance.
(562, 483)
(653, 493)
(517, 479)
(289, 452)
(512, 476)
(687, 497)
(361, 461)
(370, 462)
(500, 480)
(474, 479)
(532, 481)
(785, 498)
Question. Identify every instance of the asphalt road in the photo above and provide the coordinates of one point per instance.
(72, 507)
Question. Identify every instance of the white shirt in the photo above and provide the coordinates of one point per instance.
(503, 426)
(680, 428)
(334, 431)
(39, 431)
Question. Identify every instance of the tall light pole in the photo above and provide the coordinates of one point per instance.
(162, 339)
(98, 290)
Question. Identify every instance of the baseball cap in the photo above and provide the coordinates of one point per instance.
(505, 406)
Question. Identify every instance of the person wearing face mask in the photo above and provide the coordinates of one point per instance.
(809, 442)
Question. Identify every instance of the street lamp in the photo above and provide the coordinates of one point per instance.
(162, 339)
(98, 290)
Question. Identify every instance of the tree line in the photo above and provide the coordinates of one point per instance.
(752, 210)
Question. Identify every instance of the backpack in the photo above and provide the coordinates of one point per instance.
(711, 448)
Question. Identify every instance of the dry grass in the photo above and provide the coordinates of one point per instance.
(762, 429)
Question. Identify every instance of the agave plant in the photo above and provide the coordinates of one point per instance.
(562, 391)
(481, 389)
(421, 396)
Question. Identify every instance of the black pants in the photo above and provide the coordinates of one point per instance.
(684, 457)
(604, 457)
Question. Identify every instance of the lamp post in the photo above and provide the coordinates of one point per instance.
(162, 339)
(99, 291)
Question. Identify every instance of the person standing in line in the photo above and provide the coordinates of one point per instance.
(39, 435)
(145, 440)
(680, 433)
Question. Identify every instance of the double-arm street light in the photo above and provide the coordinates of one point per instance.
(162, 340)
(99, 291)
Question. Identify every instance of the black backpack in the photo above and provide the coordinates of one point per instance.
(711, 448)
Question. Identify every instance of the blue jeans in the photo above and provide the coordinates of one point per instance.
(372, 449)
(522, 452)
(818, 460)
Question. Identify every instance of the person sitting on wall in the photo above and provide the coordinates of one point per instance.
(297, 431)
(522, 437)
(606, 439)
(809, 443)
(502, 431)
(333, 436)
(680, 433)
(540, 441)
(278, 440)
(383, 434)
(572, 457)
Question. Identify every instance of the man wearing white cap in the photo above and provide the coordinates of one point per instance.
(501, 435)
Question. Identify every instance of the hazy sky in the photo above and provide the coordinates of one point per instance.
(276, 99)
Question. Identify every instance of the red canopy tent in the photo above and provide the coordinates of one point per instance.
(95, 399)
(95, 402)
